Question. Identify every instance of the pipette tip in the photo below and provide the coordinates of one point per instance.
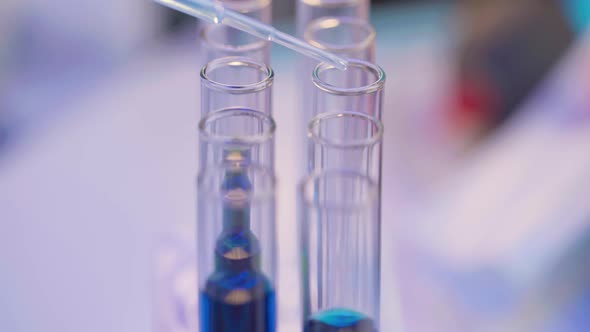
(341, 64)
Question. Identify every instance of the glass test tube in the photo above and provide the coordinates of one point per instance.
(236, 82)
(352, 37)
(345, 141)
(236, 249)
(218, 40)
(349, 36)
(357, 89)
(237, 135)
(332, 35)
(340, 247)
(309, 10)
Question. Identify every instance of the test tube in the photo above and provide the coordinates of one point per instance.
(236, 82)
(236, 249)
(351, 37)
(359, 88)
(309, 10)
(347, 141)
(348, 36)
(237, 135)
(340, 248)
(218, 40)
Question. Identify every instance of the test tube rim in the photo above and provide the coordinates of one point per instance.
(253, 196)
(245, 7)
(259, 44)
(329, 3)
(371, 198)
(373, 140)
(338, 48)
(233, 88)
(332, 89)
(205, 135)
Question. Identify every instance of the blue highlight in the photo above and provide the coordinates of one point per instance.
(578, 12)
(237, 252)
(338, 320)
(237, 297)
(243, 302)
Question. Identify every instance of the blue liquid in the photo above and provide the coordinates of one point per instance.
(243, 302)
(237, 296)
(339, 320)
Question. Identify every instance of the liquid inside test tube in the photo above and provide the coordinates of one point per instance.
(238, 294)
(340, 246)
(338, 320)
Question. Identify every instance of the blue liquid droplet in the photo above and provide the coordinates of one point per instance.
(339, 320)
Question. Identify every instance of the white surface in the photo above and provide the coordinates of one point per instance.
(80, 202)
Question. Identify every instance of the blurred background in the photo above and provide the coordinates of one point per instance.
(486, 189)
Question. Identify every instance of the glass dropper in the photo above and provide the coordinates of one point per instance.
(214, 12)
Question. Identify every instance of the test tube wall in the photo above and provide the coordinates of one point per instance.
(309, 10)
(236, 212)
(351, 37)
(218, 41)
(231, 82)
(345, 141)
(357, 89)
(237, 135)
(236, 249)
(340, 245)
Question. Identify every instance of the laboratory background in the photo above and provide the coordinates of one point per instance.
(483, 166)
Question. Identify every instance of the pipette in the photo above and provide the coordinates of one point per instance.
(214, 12)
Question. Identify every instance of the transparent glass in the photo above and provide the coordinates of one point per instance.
(237, 135)
(357, 89)
(347, 36)
(236, 249)
(346, 140)
(236, 82)
(258, 9)
(340, 248)
(218, 40)
(351, 37)
(309, 10)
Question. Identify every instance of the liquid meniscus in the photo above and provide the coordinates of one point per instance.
(339, 320)
(243, 302)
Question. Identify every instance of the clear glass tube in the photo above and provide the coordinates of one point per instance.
(309, 10)
(236, 249)
(347, 141)
(340, 248)
(237, 135)
(236, 82)
(219, 40)
(260, 10)
(357, 89)
(351, 37)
